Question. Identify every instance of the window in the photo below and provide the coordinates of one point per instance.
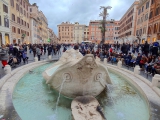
(6, 22)
(155, 28)
(147, 5)
(142, 8)
(139, 12)
(19, 32)
(22, 31)
(13, 29)
(27, 7)
(13, 17)
(18, 20)
(152, 1)
(151, 15)
(146, 16)
(144, 30)
(21, 21)
(30, 9)
(5, 8)
(157, 11)
(24, 23)
(17, 7)
(24, 12)
(23, 4)
(28, 25)
(12, 3)
(137, 32)
(27, 33)
(21, 10)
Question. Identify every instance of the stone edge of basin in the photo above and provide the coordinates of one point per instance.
(7, 85)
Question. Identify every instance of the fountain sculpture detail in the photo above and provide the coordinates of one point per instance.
(79, 75)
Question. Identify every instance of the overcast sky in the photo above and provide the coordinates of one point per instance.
(82, 11)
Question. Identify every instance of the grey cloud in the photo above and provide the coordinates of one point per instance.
(81, 11)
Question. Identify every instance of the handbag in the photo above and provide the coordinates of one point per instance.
(14, 60)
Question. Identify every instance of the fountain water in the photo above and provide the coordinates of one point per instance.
(59, 94)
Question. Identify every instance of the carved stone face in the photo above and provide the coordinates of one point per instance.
(89, 61)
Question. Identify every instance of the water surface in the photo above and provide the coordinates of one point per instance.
(34, 100)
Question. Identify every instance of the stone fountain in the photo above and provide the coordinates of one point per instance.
(77, 76)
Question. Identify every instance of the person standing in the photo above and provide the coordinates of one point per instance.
(34, 50)
(146, 48)
(38, 51)
(4, 56)
(49, 49)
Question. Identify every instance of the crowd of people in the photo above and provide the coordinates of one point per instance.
(15, 54)
(146, 55)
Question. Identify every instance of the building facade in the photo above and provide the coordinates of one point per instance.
(154, 21)
(143, 11)
(116, 30)
(95, 34)
(39, 25)
(127, 24)
(43, 25)
(52, 36)
(65, 32)
(86, 33)
(78, 32)
(20, 21)
(4, 22)
(34, 22)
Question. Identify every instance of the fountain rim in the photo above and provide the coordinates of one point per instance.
(7, 85)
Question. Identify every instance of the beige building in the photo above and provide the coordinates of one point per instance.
(4, 22)
(43, 25)
(65, 32)
(127, 24)
(78, 31)
(39, 25)
(143, 11)
(86, 33)
(20, 21)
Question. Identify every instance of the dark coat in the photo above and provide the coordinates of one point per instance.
(155, 51)
(146, 47)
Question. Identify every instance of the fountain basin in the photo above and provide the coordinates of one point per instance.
(7, 109)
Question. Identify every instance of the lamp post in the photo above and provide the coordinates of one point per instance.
(104, 15)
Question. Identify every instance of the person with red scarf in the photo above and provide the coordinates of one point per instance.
(4, 55)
